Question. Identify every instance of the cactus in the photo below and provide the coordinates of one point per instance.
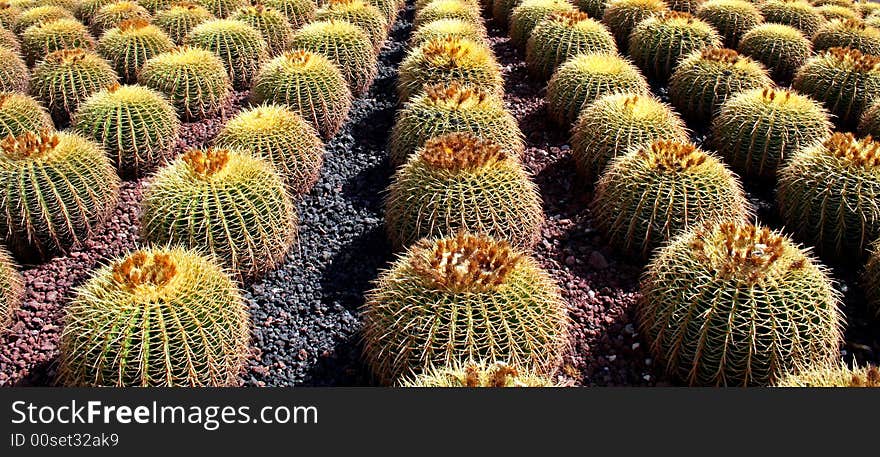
(478, 374)
(178, 20)
(9, 15)
(345, 45)
(154, 6)
(137, 127)
(388, 8)
(239, 46)
(20, 114)
(9, 40)
(11, 289)
(458, 182)
(735, 304)
(271, 23)
(298, 12)
(447, 9)
(594, 8)
(836, 13)
(130, 45)
(845, 80)
(613, 123)
(459, 298)
(869, 124)
(244, 217)
(193, 79)
(67, 77)
(657, 43)
(757, 130)
(421, 4)
(731, 18)
(449, 60)
(705, 79)
(562, 36)
(58, 189)
(622, 16)
(658, 190)
(529, 13)
(110, 16)
(14, 74)
(829, 192)
(308, 84)
(363, 15)
(441, 109)
(793, 13)
(871, 281)
(155, 318)
(850, 33)
(782, 49)
(868, 8)
(281, 137)
(85, 10)
(832, 375)
(34, 16)
(685, 6)
(47, 37)
(222, 8)
(843, 3)
(449, 28)
(586, 77)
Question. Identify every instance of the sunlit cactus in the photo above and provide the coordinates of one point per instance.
(130, 45)
(794, 13)
(838, 13)
(449, 60)
(561, 36)
(39, 40)
(85, 9)
(849, 33)
(685, 6)
(731, 18)
(9, 15)
(832, 375)
(622, 16)
(36, 15)
(239, 46)
(781, 48)
(14, 73)
(222, 8)
(449, 28)
(657, 43)
(270, 22)
(298, 12)
(154, 6)
(478, 374)
(178, 20)
(528, 13)
(364, 15)
(9, 40)
(11, 289)
(193, 79)
(67, 77)
(20, 114)
(845, 80)
(447, 9)
(344, 44)
(109, 16)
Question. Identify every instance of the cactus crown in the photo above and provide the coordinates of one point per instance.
(676, 16)
(29, 145)
(67, 56)
(451, 51)
(300, 58)
(133, 25)
(672, 156)
(500, 375)
(466, 263)
(854, 59)
(779, 97)
(461, 151)
(206, 163)
(569, 18)
(721, 55)
(455, 96)
(863, 153)
(144, 272)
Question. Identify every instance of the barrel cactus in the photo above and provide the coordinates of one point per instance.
(85, 9)
(594, 8)
(9, 15)
(58, 189)
(657, 43)
(731, 18)
(794, 13)
(447, 9)
(622, 16)
(782, 49)
(245, 216)
(180, 18)
(154, 6)
(137, 127)
(364, 15)
(586, 77)
(155, 318)
(11, 289)
(193, 79)
(850, 33)
(40, 14)
(845, 80)
(703, 80)
(449, 28)
(298, 12)
(459, 182)
(685, 6)
(459, 298)
(67, 77)
(658, 190)
(453, 108)
(528, 13)
(309, 84)
(281, 137)
(737, 305)
(130, 45)
(561, 36)
(615, 122)
(239, 46)
(41, 39)
(838, 13)
(478, 374)
(832, 375)
(869, 124)
(20, 113)
(14, 74)
(222, 8)
(345, 45)
(9, 40)
(112, 15)
(829, 194)
(448, 60)
(271, 23)
(389, 8)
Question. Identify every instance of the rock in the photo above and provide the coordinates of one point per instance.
(597, 261)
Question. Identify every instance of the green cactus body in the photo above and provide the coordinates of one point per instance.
(86, 9)
(46, 37)
(14, 74)
(562, 36)
(613, 123)
(20, 114)
(794, 13)
(130, 45)
(453, 108)
(467, 297)
(36, 15)
(421, 4)
(758, 130)
(363, 15)
(154, 6)
(849, 33)
(447, 9)
(388, 8)
(67, 77)
(459, 182)
(136, 125)
(586, 77)
(110, 16)
(845, 80)
(657, 43)
(222, 8)
(281, 137)
(622, 16)
(193, 79)
(737, 305)
(308, 84)
(731, 18)
(829, 194)
(658, 190)
(155, 318)
(449, 60)
(478, 374)
(832, 375)
(344, 44)
(298, 12)
(529, 13)
(594, 8)
(58, 189)
(449, 28)
(244, 215)
(685, 6)
(239, 46)
(782, 49)
(11, 289)
(178, 20)
(869, 124)
(271, 23)
(705, 79)
(836, 12)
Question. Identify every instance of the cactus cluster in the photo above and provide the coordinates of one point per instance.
(622, 16)
(845, 80)
(657, 43)
(128, 46)
(14, 73)
(298, 12)
(46, 37)
(781, 48)
(40, 14)
(20, 114)
(794, 13)
(449, 28)
(67, 77)
(180, 18)
(193, 79)
(449, 60)
(849, 33)
(155, 318)
(529, 13)
(113, 14)
(361, 14)
(731, 18)
(461, 298)
(344, 44)
(271, 23)
(561, 36)
(239, 46)
(478, 374)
